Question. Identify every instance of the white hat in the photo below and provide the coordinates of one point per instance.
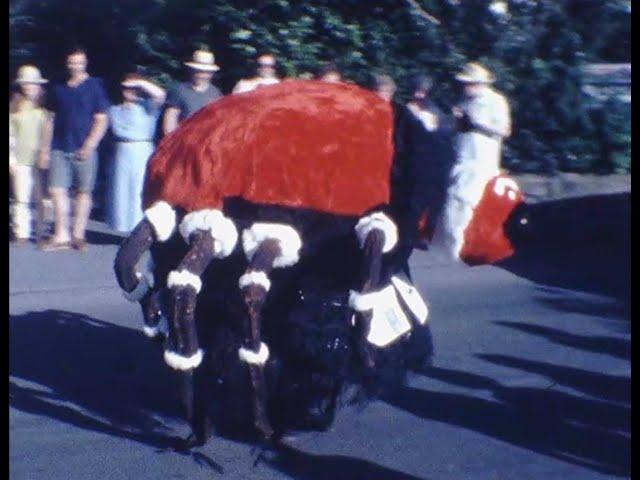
(29, 74)
(203, 60)
(475, 73)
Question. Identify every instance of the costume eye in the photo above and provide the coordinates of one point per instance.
(506, 186)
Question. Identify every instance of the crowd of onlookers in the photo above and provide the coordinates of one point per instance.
(54, 137)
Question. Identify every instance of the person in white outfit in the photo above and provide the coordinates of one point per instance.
(26, 122)
(483, 121)
(266, 75)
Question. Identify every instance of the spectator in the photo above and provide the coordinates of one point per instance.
(77, 123)
(26, 123)
(384, 86)
(133, 124)
(422, 107)
(188, 97)
(266, 75)
(483, 120)
(329, 73)
(437, 155)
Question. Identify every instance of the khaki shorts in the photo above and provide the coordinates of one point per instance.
(66, 170)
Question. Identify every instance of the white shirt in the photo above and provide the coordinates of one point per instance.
(477, 154)
(248, 84)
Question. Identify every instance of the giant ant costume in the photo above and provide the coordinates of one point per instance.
(270, 217)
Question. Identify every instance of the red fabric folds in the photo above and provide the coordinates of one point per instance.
(300, 143)
(484, 238)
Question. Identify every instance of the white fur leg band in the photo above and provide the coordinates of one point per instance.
(388, 321)
(178, 362)
(162, 218)
(379, 221)
(222, 230)
(162, 328)
(255, 278)
(363, 302)
(254, 358)
(184, 278)
(290, 242)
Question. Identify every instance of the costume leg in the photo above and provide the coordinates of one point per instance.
(371, 267)
(185, 284)
(255, 285)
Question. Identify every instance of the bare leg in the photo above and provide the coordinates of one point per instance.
(61, 209)
(81, 217)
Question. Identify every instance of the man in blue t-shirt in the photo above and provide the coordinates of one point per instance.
(76, 125)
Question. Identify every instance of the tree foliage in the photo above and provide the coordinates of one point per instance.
(535, 50)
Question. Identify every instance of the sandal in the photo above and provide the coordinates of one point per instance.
(53, 246)
(80, 244)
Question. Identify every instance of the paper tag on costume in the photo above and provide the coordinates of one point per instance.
(412, 299)
(388, 321)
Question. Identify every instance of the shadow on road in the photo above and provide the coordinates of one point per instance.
(109, 379)
(614, 346)
(578, 244)
(308, 466)
(582, 431)
(91, 374)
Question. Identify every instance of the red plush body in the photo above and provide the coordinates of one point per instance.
(484, 238)
(300, 143)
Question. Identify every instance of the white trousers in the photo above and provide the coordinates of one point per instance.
(22, 180)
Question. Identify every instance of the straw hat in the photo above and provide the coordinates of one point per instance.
(475, 73)
(203, 60)
(29, 74)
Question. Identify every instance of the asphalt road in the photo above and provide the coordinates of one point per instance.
(531, 379)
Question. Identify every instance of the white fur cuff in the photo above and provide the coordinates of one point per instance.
(222, 230)
(178, 362)
(163, 219)
(254, 358)
(162, 328)
(290, 242)
(380, 221)
(363, 302)
(255, 278)
(184, 278)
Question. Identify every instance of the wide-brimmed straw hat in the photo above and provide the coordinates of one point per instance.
(475, 73)
(203, 60)
(29, 74)
(130, 79)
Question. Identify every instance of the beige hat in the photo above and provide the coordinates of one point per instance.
(203, 60)
(475, 73)
(29, 74)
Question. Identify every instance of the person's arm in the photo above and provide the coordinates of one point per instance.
(170, 120)
(99, 124)
(98, 129)
(499, 124)
(156, 93)
(47, 136)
